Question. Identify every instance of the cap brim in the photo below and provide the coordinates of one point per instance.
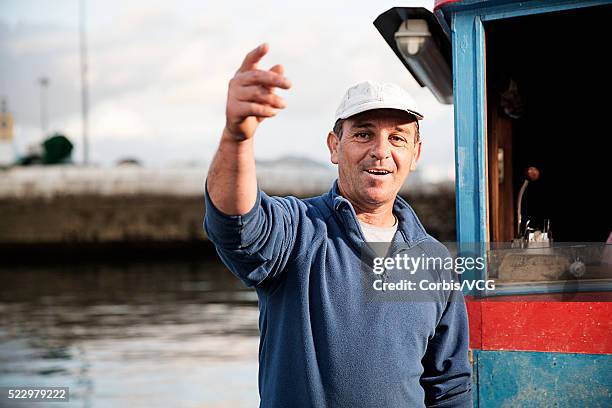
(376, 105)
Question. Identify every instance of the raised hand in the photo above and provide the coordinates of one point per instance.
(251, 97)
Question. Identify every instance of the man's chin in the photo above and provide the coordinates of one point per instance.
(378, 195)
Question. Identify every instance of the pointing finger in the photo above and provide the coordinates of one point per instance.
(253, 57)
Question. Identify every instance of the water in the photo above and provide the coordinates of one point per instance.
(174, 334)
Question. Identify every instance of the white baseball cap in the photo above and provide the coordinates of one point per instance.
(371, 95)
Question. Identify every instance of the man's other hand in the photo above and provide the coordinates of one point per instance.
(251, 97)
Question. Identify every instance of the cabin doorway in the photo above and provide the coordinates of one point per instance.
(549, 83)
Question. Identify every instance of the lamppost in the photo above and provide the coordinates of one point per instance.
(44, 84)
(84, 90)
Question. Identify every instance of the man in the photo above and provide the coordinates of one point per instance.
(324, 342)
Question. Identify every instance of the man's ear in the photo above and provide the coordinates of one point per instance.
(332, 145)
(416, 155)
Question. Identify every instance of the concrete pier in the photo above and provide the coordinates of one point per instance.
(72, 205)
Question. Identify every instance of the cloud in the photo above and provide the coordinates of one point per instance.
(112, 121)
(159, 72)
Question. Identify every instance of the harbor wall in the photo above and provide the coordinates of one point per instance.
(68, 205)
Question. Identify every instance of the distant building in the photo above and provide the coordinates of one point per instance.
(7, 151)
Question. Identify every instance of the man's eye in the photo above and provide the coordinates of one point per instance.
(397, 139)
(362, 135)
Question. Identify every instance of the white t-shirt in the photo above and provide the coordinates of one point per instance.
(373, 233)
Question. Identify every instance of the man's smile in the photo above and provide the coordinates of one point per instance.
(378, 171)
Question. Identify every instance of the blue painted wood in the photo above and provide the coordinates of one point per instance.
(527, 8)
(497, 9)
(465, 124)
(468, 83)
(481, 126)
(535, 288)
(531, 379)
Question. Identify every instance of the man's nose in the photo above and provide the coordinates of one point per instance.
(380, 148)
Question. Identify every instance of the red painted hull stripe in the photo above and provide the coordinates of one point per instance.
(442, 3)
(512, 323)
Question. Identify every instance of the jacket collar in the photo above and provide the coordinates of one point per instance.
(409, 226)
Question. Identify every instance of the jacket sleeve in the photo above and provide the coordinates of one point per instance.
(447, 376)
(256, 245)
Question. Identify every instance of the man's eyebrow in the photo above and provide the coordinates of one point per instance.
(368, 125)
(402, 130)
(363, 125)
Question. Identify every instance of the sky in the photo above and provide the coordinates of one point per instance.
(158, 75)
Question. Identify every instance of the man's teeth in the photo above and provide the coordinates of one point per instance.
(378, 172)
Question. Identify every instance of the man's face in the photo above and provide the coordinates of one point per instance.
(375, 154)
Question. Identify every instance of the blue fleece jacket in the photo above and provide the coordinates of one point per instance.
(324, 341)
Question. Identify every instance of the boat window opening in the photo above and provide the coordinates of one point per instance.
(549, 162)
